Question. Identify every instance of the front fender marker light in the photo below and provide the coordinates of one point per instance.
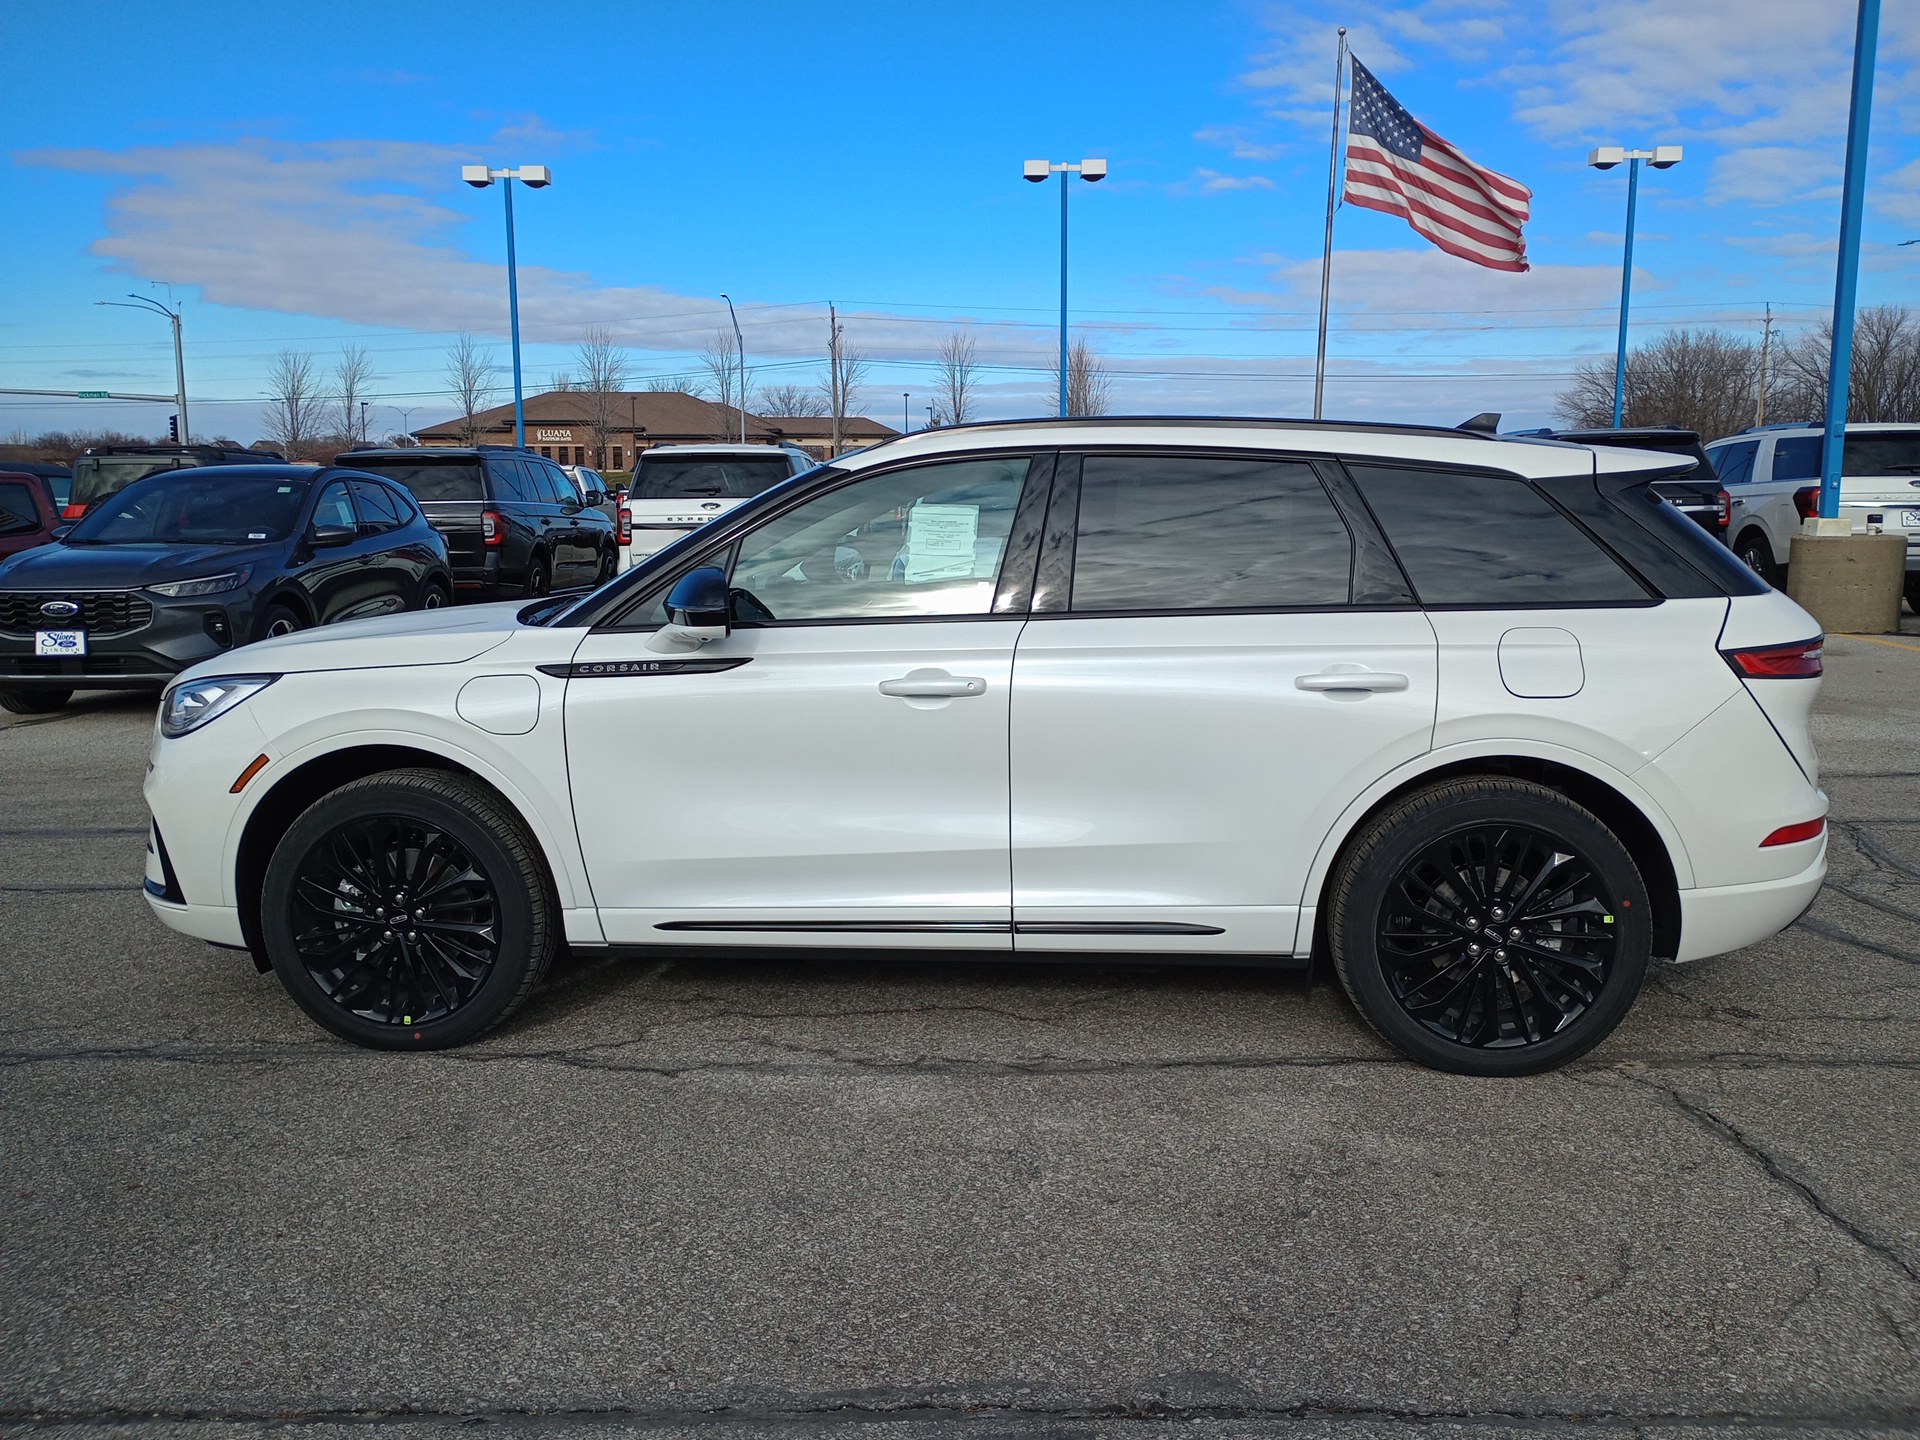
(259, 764)
(1794, 834)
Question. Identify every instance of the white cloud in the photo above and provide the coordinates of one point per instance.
(1239, 141)
(1212, 182)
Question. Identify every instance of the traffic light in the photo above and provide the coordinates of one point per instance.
(173, 428)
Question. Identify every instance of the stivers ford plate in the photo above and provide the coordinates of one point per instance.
(59, 642)
(1910, 519)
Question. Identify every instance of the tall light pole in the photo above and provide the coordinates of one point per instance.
(906, 425)
(1605, 157)
(406, 421)
(1037, 171)
(1866, 42)
(179, 355)
(740, 349)
(534, 177)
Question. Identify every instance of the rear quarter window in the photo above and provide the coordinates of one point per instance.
(1489, 541)
(430, 479)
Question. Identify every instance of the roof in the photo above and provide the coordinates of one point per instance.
(652, 412)
(1519, 455)
(718, 447)
(820, 427)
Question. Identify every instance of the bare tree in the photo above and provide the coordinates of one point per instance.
(561, 382)
(1883, 382)
(793, 400)
(726, 382)
(1089, 386)
(602, 372)
(297, 409)
(1702, 380)
(352, 379)
(473, 376)
(675, 385)
(953, 391)
(846, 372)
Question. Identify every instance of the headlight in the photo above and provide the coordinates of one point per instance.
(210, 585)
(189, 706)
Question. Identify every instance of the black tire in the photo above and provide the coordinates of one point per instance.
(1911, 588)
(1755, 552)
(444, 980)
(609, 567)
(34, 702)
(1465, 851)
(539, 578)
(278, 620)
(435, 595)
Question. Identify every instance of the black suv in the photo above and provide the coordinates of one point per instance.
(515, 524)
(108, 469)
(1696, 494)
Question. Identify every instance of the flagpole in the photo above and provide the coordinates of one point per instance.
(1326, 254)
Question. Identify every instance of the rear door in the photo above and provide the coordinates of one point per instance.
(1222, 655)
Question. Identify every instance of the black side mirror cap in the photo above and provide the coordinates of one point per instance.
(332, 537)
(700, 600)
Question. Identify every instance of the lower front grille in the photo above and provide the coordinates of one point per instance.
(102, 612)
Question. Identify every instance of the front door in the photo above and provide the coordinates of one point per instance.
(1219, 662)
(836, 767)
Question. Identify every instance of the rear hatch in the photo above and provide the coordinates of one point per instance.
(1879, 478)
(685, 491)
(452, 492)
(1694, 493)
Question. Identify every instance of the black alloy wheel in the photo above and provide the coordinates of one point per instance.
(281, 620)
(34, 702)
(1491, 926)
(539, 578)
(408, 910)
(435, 596)
(1756, 554)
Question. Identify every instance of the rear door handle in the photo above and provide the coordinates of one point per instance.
(933, 685)
(1354, 679)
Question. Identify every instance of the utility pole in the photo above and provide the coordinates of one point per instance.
(363, 422)
(1766, 344)
(142, 302)
(833, 373)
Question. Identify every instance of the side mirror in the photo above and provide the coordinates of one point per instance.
(332, 537)
(596, 498)
(699, 609)
(59, 532)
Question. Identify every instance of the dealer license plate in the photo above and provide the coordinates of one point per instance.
(60, 642)
(1910, 519)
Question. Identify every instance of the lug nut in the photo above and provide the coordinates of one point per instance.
(1473, 949)
(1514, 933)
(1500, 955)
(1499, 912)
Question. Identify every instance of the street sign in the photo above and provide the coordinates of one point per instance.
(91, 394)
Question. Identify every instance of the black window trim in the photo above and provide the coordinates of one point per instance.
(1040, 474)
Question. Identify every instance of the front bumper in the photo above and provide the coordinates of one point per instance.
(179, 633)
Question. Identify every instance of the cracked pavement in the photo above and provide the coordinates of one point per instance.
(741, 1198)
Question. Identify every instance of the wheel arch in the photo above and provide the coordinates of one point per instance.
(1628, 818)
(292, 595)
(290, 796)
(1755, 527)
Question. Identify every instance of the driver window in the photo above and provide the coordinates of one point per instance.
(924, 541)
(335, 508)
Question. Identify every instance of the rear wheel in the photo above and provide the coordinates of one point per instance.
(281, 620)
(1756, 553)
(539, 578)
(409, 911)
(1912, 588)
(609, 564)
(34, 702)
(1490, 927)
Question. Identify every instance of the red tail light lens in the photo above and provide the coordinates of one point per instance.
(625, 530)
(1726, 509)
(1799, 661)
(1794, 834)
(493, 529)
(75, 511)
(1807, 501)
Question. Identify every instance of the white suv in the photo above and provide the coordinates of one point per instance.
(1484, 719)
(677, 488)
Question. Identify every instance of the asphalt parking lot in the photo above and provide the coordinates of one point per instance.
(826, 1198)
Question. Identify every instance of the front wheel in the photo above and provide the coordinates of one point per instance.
(409, 911)
(281, 620)
(1490, 926)
(34, 702)
(435, 596)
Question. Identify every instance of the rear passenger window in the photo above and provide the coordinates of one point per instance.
(1487, 541)
(1798, 457)
(379, 509)
(1197, 533)
(512, 482)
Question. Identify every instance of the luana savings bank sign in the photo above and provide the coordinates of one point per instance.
(565, 436)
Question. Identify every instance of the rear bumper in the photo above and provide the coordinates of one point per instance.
(1729, 917)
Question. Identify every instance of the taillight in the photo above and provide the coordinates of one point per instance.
(1798, 661)
(1807, 501)
(493, 529)
(1726, 510)
(625, 530)
(1794, 834)
(75, 511)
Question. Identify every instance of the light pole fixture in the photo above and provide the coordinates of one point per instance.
(906, 425)
(740, 349)
(1037, 171)
(1605, 157)
(406, 422)
(142, 302)
(534, 177)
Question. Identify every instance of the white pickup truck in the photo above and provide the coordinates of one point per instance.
(1772, 478)
(677, 488)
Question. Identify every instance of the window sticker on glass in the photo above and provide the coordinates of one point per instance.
(286, 489)
(940, 541)
(256, 534)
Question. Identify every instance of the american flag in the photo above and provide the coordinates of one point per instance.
(1398, 165)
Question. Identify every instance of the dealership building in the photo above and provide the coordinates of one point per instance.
(577, 427)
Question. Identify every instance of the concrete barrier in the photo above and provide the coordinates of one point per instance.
(1851, 584)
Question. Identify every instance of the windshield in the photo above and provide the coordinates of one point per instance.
(430, 479)
(708, 477)
(18, 514)
(97, 476)
(206, 507)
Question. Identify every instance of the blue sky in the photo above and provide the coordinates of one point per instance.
(292, 176)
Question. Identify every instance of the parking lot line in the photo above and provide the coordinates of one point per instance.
(1897, 644)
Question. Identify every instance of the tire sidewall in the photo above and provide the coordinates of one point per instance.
(518, 927)
(1393, 844)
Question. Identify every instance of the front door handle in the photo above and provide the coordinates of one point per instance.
(1338, 678)
(933, 685)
